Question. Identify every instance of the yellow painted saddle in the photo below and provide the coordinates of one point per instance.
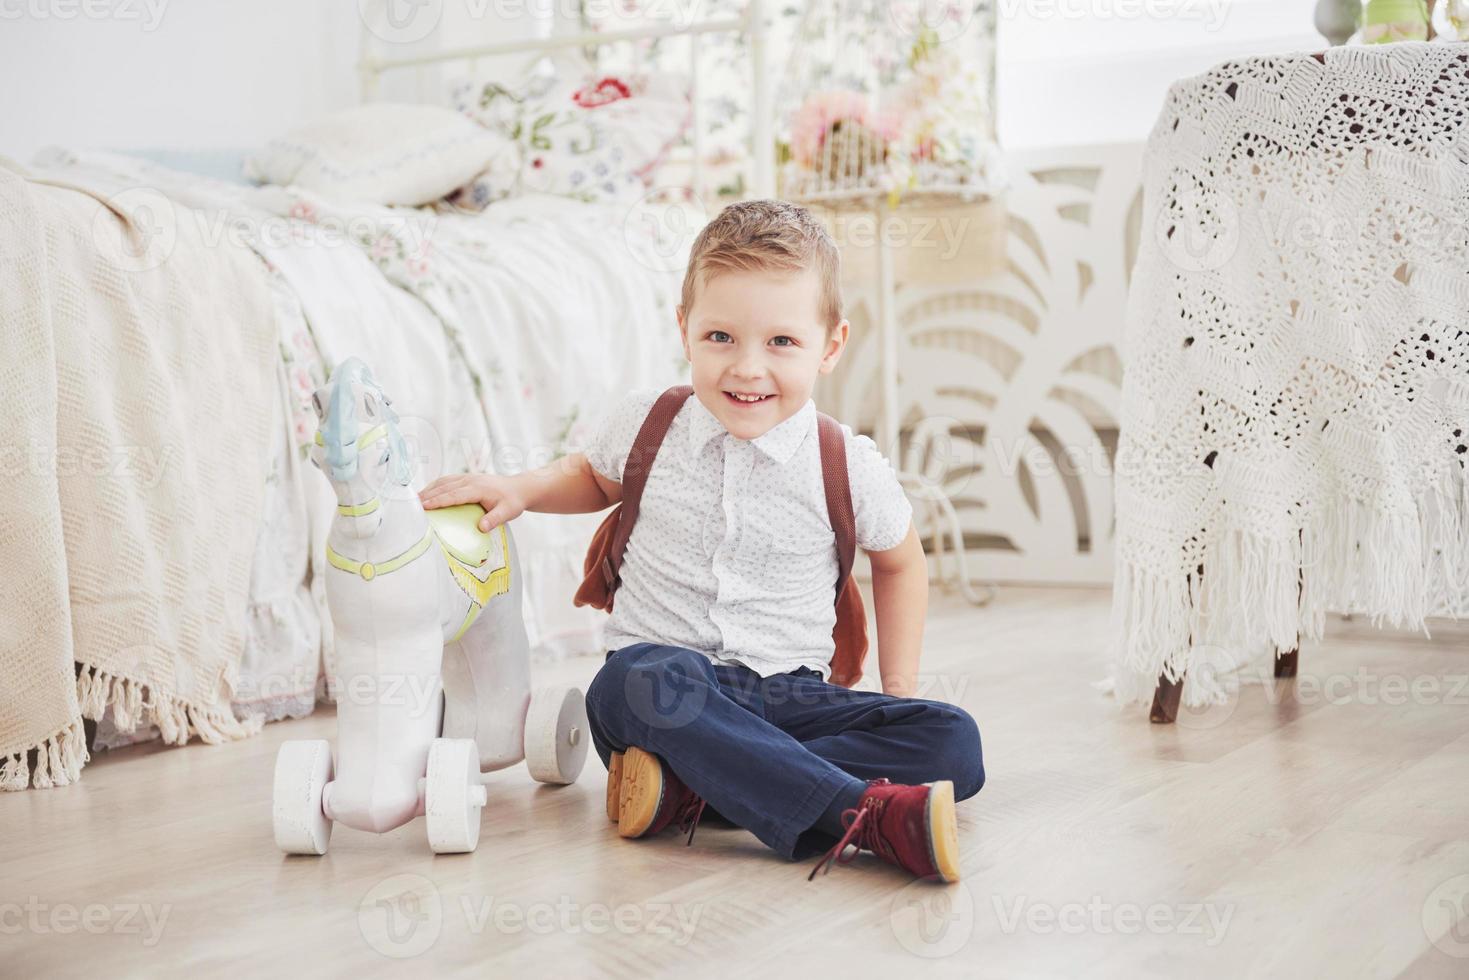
(465, 547)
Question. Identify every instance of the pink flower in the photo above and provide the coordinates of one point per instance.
(303, 210)
(606, 91)
(813, 120)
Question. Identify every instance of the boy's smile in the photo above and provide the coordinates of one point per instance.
(756, 343)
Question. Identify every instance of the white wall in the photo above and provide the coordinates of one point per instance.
(198, 74)
(183, 74)
(1096, 71)
(227, 74)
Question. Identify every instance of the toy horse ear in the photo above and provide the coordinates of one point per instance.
(318, 403)
(370, 403)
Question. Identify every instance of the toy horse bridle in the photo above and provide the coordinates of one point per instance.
(479, 591)
(368, 570)
(372, 435)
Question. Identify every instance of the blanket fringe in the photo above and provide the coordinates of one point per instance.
(60, 758)
(133, 704)
(59, 761)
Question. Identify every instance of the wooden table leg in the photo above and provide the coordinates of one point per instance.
(1167, 695)
(1286, 661)
(1165, 700)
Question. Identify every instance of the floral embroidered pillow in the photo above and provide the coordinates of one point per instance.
(594, 139)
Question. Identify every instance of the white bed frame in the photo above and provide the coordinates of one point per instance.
(760, 178)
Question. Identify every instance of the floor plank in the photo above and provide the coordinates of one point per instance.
(1319, 827)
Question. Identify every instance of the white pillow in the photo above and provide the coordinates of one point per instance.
(381, 153)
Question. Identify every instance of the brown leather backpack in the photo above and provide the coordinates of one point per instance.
(604, 556)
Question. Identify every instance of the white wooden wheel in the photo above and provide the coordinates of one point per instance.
(556, 734)
(303, 767)
(453, 795)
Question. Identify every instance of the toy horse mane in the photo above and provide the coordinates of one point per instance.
(340, 429)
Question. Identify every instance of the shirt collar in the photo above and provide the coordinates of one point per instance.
(779, 442)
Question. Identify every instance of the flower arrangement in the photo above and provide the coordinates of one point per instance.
(932, 129)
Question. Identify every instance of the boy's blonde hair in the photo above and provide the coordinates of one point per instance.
(773, 235)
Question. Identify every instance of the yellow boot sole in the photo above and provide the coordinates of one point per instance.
(640, 790)
(614, 788)
(943, 829)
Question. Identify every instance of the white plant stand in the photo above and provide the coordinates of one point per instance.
(929, 494)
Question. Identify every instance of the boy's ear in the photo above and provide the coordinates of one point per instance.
(834, 347)
(683, 331)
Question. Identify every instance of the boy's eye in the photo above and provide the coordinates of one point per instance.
(716, 334)
(784, 337)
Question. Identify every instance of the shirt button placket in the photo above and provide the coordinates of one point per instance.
(735, 467)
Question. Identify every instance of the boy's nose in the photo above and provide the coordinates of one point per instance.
(748, 370)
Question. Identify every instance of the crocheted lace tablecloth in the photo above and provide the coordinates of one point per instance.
(1295, 403)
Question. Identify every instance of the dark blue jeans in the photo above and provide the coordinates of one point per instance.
(772, 753)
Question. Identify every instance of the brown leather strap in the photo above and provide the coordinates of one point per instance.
(645, 449)
(838, 494)
(635, 472)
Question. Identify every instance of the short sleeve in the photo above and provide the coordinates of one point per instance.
(612, 441)
(881, 506)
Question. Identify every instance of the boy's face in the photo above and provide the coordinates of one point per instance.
(758, 333)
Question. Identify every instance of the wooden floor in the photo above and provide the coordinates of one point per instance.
(1315, 831)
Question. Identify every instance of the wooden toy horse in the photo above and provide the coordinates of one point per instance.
(433, 682)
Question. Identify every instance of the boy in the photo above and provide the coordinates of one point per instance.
(721, 633)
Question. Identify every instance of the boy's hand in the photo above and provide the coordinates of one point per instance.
(498, 495)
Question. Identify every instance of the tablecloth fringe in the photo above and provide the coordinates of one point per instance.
(1396, 567)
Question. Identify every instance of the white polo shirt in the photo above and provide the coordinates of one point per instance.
(733, 554)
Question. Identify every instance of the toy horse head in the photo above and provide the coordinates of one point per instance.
(358, 444)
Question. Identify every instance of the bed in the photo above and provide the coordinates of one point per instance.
(501, 317)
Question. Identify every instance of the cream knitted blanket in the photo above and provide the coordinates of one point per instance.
(137, 368)
(1296, 395)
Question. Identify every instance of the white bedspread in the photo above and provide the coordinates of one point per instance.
(500, 336)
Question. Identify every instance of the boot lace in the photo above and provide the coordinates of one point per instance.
(862, 830)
